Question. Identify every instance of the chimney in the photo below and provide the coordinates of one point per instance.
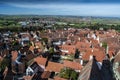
(98, 39)
(107, 49)
(88, 36)
(79, 38)
(81, 61)
(91, 57)
(92, 50)
(100, 44)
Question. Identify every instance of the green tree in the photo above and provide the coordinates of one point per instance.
(65, 73)
(104, 44)
(73, 75)
(68, 73)
(51, 50)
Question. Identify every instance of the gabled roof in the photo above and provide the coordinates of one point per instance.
(82, 45)
(45, 74)
(90, 71)
(72, 65)
(56, 67)
(100, 55)
(70, 48)
(40, 60)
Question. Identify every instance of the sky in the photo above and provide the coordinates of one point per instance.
(106, 8)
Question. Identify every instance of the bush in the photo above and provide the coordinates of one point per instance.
(68, 73)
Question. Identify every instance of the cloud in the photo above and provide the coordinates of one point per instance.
(61, 1)
(74, 9)
(82, 9)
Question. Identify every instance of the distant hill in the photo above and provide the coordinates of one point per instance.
(67, 18)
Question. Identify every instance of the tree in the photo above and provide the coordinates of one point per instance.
(51, 50)
(73, 75)
(68, 73)
(104, 44)
(65, 73)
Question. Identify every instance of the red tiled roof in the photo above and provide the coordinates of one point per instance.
(40, 60)
(46, 74)
(72, 65)
(94, 41)
(71, 48)
(111, 53)
(56, 67)
(82, 45)
(100, 55)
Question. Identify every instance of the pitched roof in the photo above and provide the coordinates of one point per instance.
(72, 65)
(70, 48)
(45, 74)
(40, 60)
(90, 71)
(82, 45)
(56, 67)
(100, 55)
